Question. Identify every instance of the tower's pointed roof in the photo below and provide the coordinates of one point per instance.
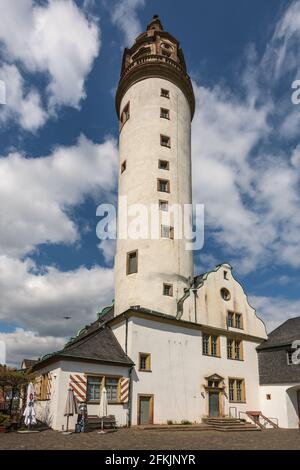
(155, 23)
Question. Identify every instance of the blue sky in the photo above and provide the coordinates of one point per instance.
(60, 61)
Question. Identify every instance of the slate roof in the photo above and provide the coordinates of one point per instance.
(100, 345)
(95, 342)
(283, 335)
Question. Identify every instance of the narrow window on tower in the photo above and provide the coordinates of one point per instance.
(164, 113)
(165, 141)
(163, 165)
(123, 166)
(168, 290)
(163, 206)
(167, 231)
(163, 186)
(164, 93)
(125, 115)
(132, 262)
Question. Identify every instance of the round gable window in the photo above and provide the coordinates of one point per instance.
(225, 294)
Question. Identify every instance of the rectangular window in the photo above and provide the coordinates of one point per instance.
(238, 320)
(93, 388)
(125, 115)
(229, 348)
(163, 164)
(165, 141)
(211, 345)
(168, 290)
(237, 390)
(231, 390)
(230, 319)
(225, 275)
(112, 387)
(132, 262)
(164, 206)
(214, 341)
(234, 349)
(164, 113)
(145, 362)
(205, 345)
(235, 320)
(163, 186)
(167, 231)
(237, 350)
(123, 167)
(164, 93)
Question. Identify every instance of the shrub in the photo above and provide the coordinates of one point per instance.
(185, 421)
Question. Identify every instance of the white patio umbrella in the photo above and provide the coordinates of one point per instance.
(71, 407)
(103, 403)
(29, 412)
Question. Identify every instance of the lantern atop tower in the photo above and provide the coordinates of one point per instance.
(155, 53)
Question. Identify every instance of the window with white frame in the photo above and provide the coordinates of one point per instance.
(112, 385)
(93, 388)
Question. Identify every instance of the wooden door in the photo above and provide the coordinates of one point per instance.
(145, 409)
(214, 404)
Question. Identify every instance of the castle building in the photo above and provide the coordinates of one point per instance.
(174, 346)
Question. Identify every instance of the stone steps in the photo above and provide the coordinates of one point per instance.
(229, 424)
(208, 424)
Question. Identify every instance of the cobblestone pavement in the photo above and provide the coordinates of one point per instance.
(140, 439)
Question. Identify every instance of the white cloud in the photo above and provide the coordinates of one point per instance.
(108, 248)
(224, 132)
(22, 105)
(22, 344)
(38, 301)
(274, 311)
(56, 39)
(252, 195)
(124, 15)
(37, 192)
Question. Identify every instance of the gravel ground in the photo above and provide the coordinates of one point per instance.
(138, 439)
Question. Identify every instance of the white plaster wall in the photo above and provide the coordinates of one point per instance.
(55, 407)
(283, 404)
(46, 410)
(179, 369)
(67, 368)
(161, 260)
(212, 309)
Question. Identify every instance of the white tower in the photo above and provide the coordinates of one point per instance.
(155, 104)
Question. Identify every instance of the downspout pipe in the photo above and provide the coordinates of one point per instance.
(129, 415)
(181, 302)
(195, 303)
